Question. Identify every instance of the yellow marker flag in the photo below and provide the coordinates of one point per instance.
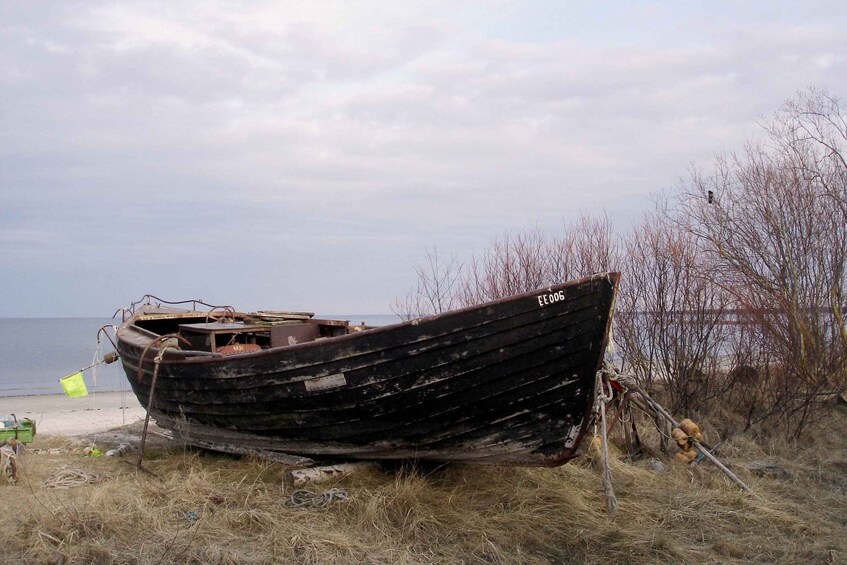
(74, 385)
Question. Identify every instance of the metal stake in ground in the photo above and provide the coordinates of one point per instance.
(156, 362)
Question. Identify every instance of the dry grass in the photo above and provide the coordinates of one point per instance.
(206, 508)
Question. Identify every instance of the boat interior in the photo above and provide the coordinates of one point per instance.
(232, 332)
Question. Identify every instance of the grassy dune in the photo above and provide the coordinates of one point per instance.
(208, 508)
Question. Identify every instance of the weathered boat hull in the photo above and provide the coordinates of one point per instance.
(507, 382)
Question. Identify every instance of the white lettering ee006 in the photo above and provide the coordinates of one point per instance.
(551, 298)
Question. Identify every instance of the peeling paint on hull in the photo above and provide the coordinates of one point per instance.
(506, 382)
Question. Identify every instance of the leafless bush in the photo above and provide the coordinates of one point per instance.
(586, 247)
(757, 384)
(771, 223)
(670, 323)
(516, 262)
(436, 290)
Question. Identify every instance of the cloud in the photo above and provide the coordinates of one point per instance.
(284, 142)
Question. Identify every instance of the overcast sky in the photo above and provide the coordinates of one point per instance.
(305, 155)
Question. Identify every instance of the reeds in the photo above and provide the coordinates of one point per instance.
(203, 507)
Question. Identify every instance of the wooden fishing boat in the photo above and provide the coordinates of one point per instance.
(505, 382)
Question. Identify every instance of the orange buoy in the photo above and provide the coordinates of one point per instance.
(689, 427)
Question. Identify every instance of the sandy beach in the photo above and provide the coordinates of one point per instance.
(56, 414)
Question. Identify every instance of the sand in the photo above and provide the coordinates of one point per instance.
(56, 414)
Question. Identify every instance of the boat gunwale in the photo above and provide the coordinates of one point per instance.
(198, 356)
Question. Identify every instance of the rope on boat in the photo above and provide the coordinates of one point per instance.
(307, 499)
(110, 357)
(600, 406)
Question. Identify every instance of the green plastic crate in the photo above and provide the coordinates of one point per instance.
(23, 430)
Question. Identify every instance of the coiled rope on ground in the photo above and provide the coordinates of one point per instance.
(307, 499)
(68, 477)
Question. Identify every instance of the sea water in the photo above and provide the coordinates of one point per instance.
(36, 352)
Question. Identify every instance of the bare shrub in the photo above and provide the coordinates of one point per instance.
(771, 223)
(516, 262)
(436, 290)
(589, 246)
(669, 316)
